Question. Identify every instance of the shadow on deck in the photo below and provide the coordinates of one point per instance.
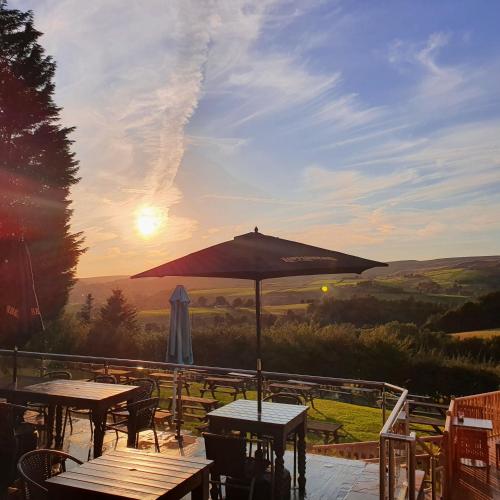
(474, 483)
(327, 477)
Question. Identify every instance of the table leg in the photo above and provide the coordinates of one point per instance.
(301, 451)
(49, 425)
(279, 465)
(201, 492)
(99, 421)
(59, 439)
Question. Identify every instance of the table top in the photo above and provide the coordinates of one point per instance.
(241, 375)
(75, 391)
(232, 380)
(474, 423)
(272, 413)
(293, 386)
(129, 473)
(112, 371)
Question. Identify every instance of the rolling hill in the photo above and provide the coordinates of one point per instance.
(451, 281)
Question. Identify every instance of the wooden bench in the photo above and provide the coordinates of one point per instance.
(328, 430)
(307, 391)
(196, 407)
(224, 385)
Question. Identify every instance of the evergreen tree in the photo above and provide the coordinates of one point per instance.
(37, 167)
(115, 331)
(85, 314)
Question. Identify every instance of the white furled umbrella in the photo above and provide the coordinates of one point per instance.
(180, 348)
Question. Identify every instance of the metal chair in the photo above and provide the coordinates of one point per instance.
(16, 438)
(141, 417)
(229, 454)
(37, 466)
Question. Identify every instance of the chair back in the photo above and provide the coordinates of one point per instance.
(147, 386)
(35, 467)
(105, 379)
(142, 414)
(58, 375)
(229, 454)
(287, 398)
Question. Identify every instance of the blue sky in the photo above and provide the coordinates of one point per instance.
(367, 127)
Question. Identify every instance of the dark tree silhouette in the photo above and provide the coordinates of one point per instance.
(202, 301)
(115, 330)
(37, 167)
(85, 313)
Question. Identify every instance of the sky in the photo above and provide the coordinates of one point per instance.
(371, 128)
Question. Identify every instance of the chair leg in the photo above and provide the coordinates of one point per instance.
(157, 444)
(294, 460)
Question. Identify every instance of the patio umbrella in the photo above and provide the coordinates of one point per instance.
(20, 316)
(256, 257)
(180, 348)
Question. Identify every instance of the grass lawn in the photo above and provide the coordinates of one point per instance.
(360, 423)
(483, 334)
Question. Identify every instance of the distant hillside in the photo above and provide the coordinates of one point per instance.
(452, 281)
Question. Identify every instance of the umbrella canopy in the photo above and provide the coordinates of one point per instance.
(20, 316)
(256, 256)
(180, 348)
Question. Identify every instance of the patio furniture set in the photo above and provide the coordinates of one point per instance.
(130, 473)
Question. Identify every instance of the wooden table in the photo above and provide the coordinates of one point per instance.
(305, 390)
(475, 424)
(228, 385)
(166, 380)
(93, 396)
(194, 403)
(277, 420)
(328, 430)
(116, 372)
(133, 474)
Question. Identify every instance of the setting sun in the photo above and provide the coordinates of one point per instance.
(149, 221)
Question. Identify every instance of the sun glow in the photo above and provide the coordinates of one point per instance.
(149, 221)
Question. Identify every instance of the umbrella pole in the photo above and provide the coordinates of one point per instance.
(14, 368)
(259, 360)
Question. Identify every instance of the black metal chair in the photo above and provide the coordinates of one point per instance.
(16, 438)
(229, 453)
(288, 398)
(147, 386)
(140, 417)
(103, 379)
(37, 466)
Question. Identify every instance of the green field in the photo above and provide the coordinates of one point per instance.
(482, 334)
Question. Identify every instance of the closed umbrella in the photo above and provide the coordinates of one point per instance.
(180, 348)
(20, 316)
(256, 256)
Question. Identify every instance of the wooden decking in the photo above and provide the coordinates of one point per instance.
(328, 478)
(473, 483)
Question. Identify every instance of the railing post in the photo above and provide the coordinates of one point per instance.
(392, 469)
(412, 447)
(382, 465)
(383, 405)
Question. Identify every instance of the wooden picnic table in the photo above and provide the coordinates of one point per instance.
(195, 404)
(276, 420)
(133, 474)
(227, 385)
(94, 396)
(329, 430)
(116, 372)
(307, 391)
(166, 380)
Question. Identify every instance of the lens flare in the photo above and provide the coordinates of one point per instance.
(324, 288)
